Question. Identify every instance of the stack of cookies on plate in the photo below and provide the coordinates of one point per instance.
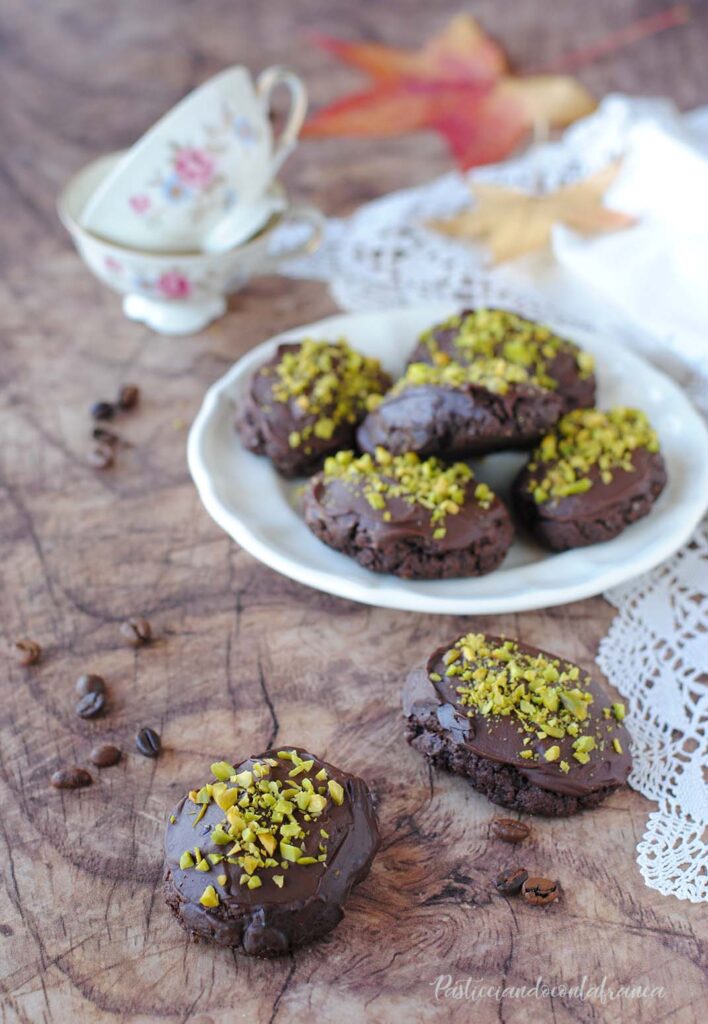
(393, 487)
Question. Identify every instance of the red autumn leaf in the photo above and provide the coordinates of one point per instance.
(459, 85)
(461, 52)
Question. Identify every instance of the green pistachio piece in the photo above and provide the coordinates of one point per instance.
(223, 770)
(336, 791)
(220, 837)
(289, 853)
(209, 898)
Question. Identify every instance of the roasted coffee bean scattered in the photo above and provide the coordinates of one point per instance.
(540, 891)
(148, 742)
(136, 631)
(91, 705)
(90, 684)
(105, 436)
(71, 778)
(101, 456)
(103, 410)
(128, 396)
(509, 882)
(28, 651)
(510, 830)
(104, 755)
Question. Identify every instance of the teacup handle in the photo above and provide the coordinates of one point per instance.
(267, 82)
(308, 215)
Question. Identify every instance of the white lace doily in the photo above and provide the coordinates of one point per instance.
(656, 652)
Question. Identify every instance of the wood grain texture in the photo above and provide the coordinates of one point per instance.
(245, 657)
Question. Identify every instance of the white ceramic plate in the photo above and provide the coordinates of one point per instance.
(258, 508)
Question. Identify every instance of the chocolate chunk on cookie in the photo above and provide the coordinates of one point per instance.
(306, 402)
(529, 730)
(592, 476)
(457, 410)
(414, 518)
(495, 333)
(264, 856)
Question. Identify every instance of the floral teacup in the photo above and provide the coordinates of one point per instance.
(178, 293)
(204, 167)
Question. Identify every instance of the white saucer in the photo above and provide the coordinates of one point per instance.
(258, 508)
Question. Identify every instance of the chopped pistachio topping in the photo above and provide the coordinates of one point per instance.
(326, 384)
(547, 698)
(587, 445)
(491, 333)
(496, 375)
(264, 818)
(439, 488)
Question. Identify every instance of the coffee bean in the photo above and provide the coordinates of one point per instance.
(105, 436)
(28, 652)
(136, 631)
(91, 705)
(103, 410)
(540, 891)
(148, 742)
(71, 778)
(101, 456)
(510, 830)
(510, 882)
(104, 755)
(128, 396)
(90, 684)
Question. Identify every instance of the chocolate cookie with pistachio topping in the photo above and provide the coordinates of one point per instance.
(529, 730)
(306, 402)
(264, 855)
(494, 333)
(416, 518)
(596, 473)
(461, 410)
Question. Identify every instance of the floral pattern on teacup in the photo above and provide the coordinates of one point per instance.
(196, 168)
(174, 190)
(193, 176)
(244, 130)
(140, 204)
(172, 284)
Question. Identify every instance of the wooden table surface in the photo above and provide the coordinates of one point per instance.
(245, 657)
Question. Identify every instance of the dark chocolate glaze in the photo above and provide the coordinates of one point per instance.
(598, 514)
(576, 391)
(496, 738)
(270, 921)
(475, 542)
(265, 425)
(432, 419)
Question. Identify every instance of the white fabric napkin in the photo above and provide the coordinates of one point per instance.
(655, 273)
